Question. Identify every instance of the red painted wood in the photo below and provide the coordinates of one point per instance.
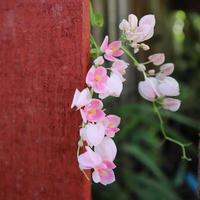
(44, 47)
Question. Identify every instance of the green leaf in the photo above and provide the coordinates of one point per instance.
(145, 159)
(96, 19)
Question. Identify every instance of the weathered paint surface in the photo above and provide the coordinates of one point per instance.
(43, 57)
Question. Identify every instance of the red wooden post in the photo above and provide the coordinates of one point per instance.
(44, 49)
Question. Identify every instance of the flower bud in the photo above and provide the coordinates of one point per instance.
(99, 61)
(157, 59)
(167, 69)
(141, 67)
(171, 104)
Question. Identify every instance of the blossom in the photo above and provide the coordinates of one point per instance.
(99, 61)
(138, 32)
(103, 169)
(111, 123)
(171, 104)
(111, 50)
(168, 87)
(93, 112)
(119, 67)
(157, 59)
(93, 134)
(153, 87)
(148, 89)
(82, 98)
(114, 87)
(97, 78)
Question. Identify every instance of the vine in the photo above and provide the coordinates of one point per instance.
(158, 87)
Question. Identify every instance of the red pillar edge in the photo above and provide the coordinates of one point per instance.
(43, 58)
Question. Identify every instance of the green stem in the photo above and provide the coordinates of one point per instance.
(184, 156)
(135, 62)
(94, 43)
(128, 53)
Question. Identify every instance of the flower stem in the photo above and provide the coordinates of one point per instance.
(128, 53)
(93, 41)
(184, 156)
(135, 62)
(80, 144)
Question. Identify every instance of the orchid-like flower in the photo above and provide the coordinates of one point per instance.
(97, 78)
(119, 67)
(152, 88)
(93, 134)
(111, 123)
(82, 98)
(171, 104)
(138, 32)
(103, 169)
(93, 112)
(112, 50)
(114, 87)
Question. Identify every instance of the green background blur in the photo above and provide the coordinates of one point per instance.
(148, 168)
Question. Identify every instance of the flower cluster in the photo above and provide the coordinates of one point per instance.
(160, 86)
(98, 128)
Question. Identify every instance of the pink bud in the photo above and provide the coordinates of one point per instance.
(99, 61)
(171, 104)
(167, 69)
(157, 59)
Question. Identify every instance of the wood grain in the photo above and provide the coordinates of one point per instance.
(44, 47)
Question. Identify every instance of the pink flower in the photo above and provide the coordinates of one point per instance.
(93, 112)
(111, 123)
(114, 87)
(168, 87)
(157, 59)
(171, 104)
(148, 89)
(119, 67)
(135, 32)
(97, 78)
(93, 134)
(111, 50)
(82, 98)
(103, 169)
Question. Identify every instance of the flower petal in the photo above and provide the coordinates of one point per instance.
(148, 19)
(169, 87)
(95, 133)
(107, 149)
(104, 45)
(133, 21)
